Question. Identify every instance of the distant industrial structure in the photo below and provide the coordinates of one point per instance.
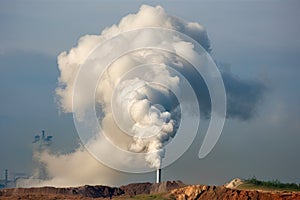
(10, 180)
(43, 139)
(6, 177)
(4, 182)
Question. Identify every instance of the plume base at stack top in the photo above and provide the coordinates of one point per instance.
(158, 175)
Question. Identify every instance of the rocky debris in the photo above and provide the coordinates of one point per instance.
(234, 183)
(199, 192)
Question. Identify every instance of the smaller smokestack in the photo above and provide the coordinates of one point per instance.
(158, 175)
(43, 135)
(6, 178)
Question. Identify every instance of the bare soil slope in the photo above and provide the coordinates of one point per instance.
(165, 190)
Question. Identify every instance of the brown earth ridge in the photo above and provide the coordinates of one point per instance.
(168, 189)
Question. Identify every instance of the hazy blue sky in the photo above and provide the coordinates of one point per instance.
(257, 40)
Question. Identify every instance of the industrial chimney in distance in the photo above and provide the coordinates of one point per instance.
(6, 178)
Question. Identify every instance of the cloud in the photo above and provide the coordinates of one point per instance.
(243, 96)
(142, 108)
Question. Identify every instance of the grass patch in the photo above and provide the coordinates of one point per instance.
(275, 185)
(145, 197)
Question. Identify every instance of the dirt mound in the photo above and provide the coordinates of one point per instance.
(170, 190)
(96, 191)
(200, 192)
(85, 191)
(136, 188)
(150, 188)
(165, 186)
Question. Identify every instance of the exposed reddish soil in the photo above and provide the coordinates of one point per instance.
(215, 193)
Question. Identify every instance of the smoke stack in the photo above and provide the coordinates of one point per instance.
(43, 135)
(158, 175)
(6, 178)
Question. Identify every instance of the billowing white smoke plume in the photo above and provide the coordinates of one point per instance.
(70, 62)
(144, 116)
(150, 125)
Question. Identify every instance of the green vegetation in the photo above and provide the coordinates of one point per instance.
(254, 183)
(145, 197)
(149, 197)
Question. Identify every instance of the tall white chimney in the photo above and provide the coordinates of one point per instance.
(158, 175)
